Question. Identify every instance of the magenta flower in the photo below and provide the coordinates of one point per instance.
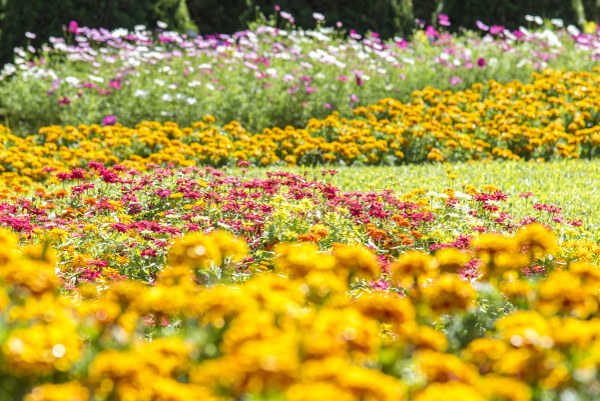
(430, 32)
(481, 62)
(109, 120)
(73, 27)
(115, 84)
(496, 29)
(63, 101)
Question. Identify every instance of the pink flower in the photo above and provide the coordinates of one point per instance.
(455, 81)
(73, 27)
(63, 101)
(482, 26)
(443, 20)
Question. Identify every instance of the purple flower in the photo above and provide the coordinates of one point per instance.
(109, 120)
(481, 62)
(482, 26)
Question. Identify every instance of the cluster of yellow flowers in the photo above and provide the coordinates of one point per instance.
(556, 116)
(313, 326)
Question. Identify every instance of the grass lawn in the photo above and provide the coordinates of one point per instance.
(572, 185)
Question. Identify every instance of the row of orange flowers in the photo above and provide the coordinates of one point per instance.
(556, 116)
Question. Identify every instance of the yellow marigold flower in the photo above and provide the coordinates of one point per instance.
(356, 261)
(195, 250)
(588, 273)
(491, 244)
(517, 290)
(42, 348)
(8, 243)
(537, 238)
(340, 332)
(525, 327)
(566, 294)
(272, 292)
(484, 352)
(422, 337)
(320, 286)
(449, 391)
(298, 259)
(441, 367)
(500, 388)
(451, 259)
(414, 268)
(448, 294)
(317, 391)
(365, 384)
(71, 391)
(229, 245)
(4, 299)
(320, 231)
(385, 307)
(37, 276)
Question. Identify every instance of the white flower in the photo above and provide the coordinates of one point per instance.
(191, 101)
(572, 29)
(72, 80)
(120, 33)
(95, 78)
(557, 22)
(166, 97)
(161, 24)
(318, 16)
(9, 69)
(30, 35)
(140, 93)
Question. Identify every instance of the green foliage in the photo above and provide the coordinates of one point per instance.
(509, 13)
(48, 18)
(387, 17)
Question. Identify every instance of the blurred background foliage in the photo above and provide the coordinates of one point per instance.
(387, 17)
